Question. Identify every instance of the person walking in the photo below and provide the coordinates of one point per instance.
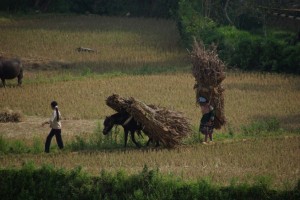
(207, 120)
(55, 125)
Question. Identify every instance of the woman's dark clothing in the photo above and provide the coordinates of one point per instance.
(206, 123)
(206, 129)
(207, 117)
(57, 133)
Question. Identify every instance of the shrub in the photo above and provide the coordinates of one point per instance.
(290, 59)
(191, 24)
(247, 51)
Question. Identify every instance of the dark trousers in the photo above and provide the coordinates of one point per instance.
(57, 133)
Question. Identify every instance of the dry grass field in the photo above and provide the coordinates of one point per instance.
(120, 43)
(130, 54)
(248, 97)
(242, 161)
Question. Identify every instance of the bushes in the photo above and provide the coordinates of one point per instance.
(290, 59)
(254, 52)
(276, 52)
(190, 23)
(50, 183)
(246, 51)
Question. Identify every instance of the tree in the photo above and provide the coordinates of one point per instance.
(42, 5)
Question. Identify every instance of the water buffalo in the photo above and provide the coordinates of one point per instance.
(10, 69)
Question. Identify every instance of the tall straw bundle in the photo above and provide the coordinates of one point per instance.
(208, 71)
(161, 124)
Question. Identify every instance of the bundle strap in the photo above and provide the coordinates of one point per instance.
(127, 120)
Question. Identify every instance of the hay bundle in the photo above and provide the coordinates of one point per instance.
(118, 103)
(7, 115)
(208, 71)
(161, 124)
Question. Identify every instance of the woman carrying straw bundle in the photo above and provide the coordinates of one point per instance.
(207, 120)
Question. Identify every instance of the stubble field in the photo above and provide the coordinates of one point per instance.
(142, 58)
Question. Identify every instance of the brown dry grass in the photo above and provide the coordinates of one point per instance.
(31, 127)
(130, 44)
(248, 97)
(223, 162)
(121, 43)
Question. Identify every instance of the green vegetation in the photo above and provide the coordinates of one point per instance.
(240, 157)
(239, 48)
(32, 183)
(264, 126)
(146, 8)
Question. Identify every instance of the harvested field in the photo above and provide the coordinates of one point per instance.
(122, 44)
(131, 54)
(249, 97)
(241, 161)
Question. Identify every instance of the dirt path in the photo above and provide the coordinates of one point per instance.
(31, 127)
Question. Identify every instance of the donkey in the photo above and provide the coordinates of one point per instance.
(128, 124)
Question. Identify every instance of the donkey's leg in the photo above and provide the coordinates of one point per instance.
(149, 140)
(126, 136)
(133, 139)
(157, 143)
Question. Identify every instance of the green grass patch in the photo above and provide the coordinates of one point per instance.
(262, 127)
(34, 183)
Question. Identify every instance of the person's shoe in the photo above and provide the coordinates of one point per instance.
(204, 143)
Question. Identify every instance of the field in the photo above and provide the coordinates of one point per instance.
(141, 58)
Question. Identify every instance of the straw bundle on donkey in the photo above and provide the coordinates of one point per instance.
(208, 71)
(163, 125)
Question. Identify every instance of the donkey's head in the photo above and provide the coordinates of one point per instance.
(109, 123)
